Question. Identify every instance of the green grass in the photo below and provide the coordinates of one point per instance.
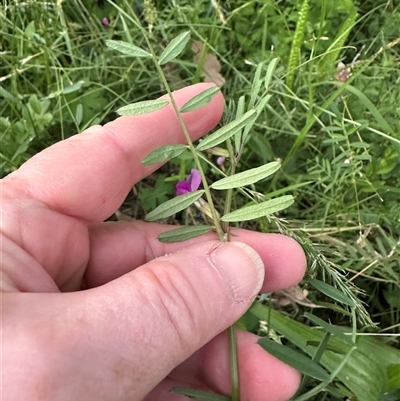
(339, 142)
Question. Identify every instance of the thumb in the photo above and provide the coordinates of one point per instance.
(118, 341)
(158, 315)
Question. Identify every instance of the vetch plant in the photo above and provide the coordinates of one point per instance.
(343, 165)
(227, 142)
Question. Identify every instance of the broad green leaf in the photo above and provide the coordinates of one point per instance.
(259, 210)
(174, 205)
(329, 328)
(163, 153)
(200, 394)
(364, 374)
(295, 359)
(331, 292)
(127, 48)
(174, 48)
(227, 131)
(147, 106)
(200, 100)
(184, 233)
(247, 177)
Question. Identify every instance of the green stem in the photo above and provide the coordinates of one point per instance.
(233, 359)
(354, 321)
(234, 365)
(220, 230)
(312, 392)
(229, 192)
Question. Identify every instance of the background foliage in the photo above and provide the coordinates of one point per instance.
(338, 137)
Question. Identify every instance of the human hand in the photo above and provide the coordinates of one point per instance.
(153, 315)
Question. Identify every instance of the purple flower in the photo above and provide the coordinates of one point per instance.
(105, 21)
(220, 160)
(189, 184)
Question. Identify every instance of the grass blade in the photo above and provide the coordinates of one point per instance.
(366, 367)
(371, 107)
(295, 359)
(331, 292)
(174, 205)
(331, 56)
(329, 328)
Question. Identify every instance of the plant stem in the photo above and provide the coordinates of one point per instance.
(312, 392)
(229, 192)
(221, 231)
(233, 359)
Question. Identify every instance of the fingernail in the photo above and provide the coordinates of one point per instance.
(241, 268)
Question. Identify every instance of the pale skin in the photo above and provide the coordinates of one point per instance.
(152, 316)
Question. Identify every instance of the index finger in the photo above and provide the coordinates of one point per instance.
(89, 175)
